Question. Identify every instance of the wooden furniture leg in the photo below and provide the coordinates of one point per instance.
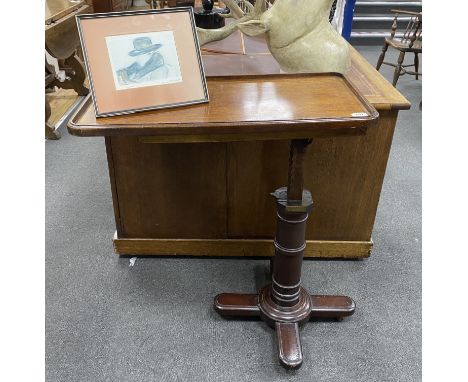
(416, 65)
(50, 132)
(396, 75)
(382, 56)
(78, 75)
(285, 304)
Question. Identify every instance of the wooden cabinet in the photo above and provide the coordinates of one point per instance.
(110, 5)
(212, 198)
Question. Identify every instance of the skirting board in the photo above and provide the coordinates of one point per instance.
(236, 247)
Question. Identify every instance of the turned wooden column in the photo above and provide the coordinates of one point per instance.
(285, 304)
(292, 209)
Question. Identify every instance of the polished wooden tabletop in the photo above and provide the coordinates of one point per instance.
(241, 55)
(246, 108)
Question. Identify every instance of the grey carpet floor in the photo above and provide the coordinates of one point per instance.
(106, 321)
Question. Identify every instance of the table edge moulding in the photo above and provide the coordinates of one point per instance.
(171, 125)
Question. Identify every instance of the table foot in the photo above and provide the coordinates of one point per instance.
(331, 306)
(237, 305)
(51, 133)
(285, 320)
(289, 344)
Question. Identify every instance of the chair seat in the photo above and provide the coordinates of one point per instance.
(404, 46)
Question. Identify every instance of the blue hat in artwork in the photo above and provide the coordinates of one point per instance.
(143, 45)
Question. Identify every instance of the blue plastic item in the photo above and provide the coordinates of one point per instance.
(348, 19)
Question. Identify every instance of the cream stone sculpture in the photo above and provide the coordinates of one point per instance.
(298, 33)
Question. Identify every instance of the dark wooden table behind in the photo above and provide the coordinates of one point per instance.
(218, 202)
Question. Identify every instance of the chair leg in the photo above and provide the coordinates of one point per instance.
(416, 65)
(382, 56)
(396, 75)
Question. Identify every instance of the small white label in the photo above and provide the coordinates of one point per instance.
(132, 262)
(359, 115)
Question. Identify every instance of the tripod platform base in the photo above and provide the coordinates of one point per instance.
(232, 305)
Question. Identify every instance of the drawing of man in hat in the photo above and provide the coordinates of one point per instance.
(147, 61)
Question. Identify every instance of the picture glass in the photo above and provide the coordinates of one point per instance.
(143, 59)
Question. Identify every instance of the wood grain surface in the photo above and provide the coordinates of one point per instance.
(248, 108)
(243, 55)
(61, 36)
(60, 102)
(236, 248)
(344, 175)
(57, 9)
(373, 86)
(189, 200)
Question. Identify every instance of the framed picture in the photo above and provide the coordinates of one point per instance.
(142, 60)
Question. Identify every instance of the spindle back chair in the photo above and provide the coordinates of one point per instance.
(408, 41)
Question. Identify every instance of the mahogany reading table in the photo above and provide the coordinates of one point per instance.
(297, 108)
(231, 216)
